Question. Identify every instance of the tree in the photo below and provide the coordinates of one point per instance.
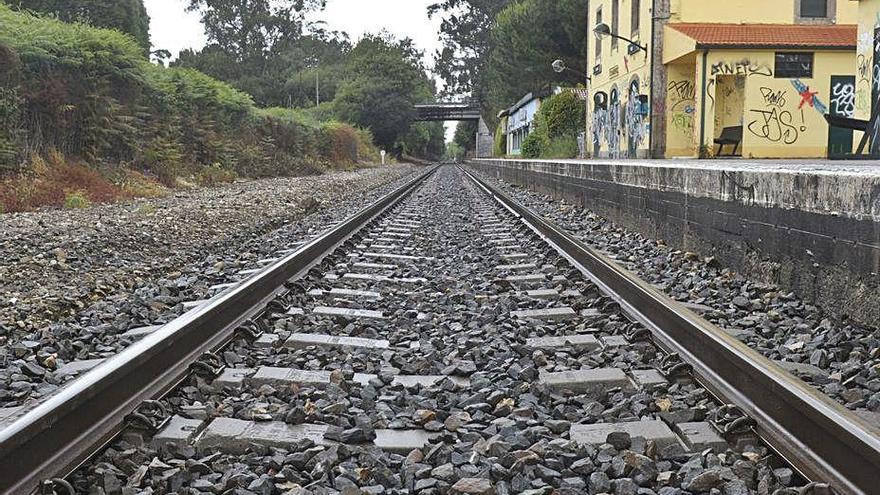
(252, 29)
(527, 37)
(466, 135)
(385, 80)
(465, 34)
(127, 16)
(278, 61)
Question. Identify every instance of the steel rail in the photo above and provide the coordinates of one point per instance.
(54, 438)
(821, 439)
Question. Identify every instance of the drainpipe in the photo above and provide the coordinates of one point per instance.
(703, 103)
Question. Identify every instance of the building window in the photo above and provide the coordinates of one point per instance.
(791, 65)
(635, 18)
(598, 40)
(615, 22)
(811, 9)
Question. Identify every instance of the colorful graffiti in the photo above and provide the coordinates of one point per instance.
(635, 118)
(681, 95)
(808, 97)
(600, 120)
(612, 130)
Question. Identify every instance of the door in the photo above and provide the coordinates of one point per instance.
(843, 104)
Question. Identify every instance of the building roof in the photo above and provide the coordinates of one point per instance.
(709, 35)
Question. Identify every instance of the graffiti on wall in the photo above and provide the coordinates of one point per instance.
(742, 68)
(874, 123)
(635, 118)
(681, 95)
(808, 97)
(843, 99)
(773, 122)
(612, 129)
(774, 125)
(600, 120)
(773, 97)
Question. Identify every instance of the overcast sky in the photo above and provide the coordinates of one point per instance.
(174, 29)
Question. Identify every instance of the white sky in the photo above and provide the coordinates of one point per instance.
(174, 29)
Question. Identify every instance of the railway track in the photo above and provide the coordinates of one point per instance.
(444, 339)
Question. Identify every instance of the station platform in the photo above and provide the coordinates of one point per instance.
(812, 226)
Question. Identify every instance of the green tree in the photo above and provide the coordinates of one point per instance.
(527, 37)
(385, 81)
(252, 29)
(276, 71)
(466, 135)
(465, 34)
(128, 16)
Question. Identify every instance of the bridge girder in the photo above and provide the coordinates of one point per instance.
(433, 112)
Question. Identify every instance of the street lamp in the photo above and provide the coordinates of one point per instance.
(559, 67)
(602, 30)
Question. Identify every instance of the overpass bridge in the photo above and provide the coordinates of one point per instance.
(459, 111)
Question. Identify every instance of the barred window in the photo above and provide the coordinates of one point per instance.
(791, 65)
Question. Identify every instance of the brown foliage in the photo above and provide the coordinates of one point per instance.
(49, 184)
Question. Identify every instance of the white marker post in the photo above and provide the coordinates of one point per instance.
(383, 156)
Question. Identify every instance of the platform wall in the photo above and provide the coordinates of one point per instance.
(815, 233)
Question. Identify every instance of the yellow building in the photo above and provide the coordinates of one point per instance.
(762, 79)
(867, 101)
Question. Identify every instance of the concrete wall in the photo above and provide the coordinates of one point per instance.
(867, 100)
(809, 230)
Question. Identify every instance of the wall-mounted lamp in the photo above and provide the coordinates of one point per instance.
(602, 30)
(559, 67)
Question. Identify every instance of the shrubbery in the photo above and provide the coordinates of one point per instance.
(556, 127)
(92, 96)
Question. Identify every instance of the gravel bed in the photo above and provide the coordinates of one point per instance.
(503, 431)
(74, 281)
(840, 358)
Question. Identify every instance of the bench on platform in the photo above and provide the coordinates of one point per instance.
(855, 125)
(731, 136)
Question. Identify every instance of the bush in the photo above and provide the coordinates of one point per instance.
(76, 200)
(533, 146)
(556, 127)
(561, 147)
(500, 146)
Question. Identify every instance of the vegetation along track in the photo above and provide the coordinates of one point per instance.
(443, 340)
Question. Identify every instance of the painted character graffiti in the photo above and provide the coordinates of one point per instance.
(636, 113)
(600, 120)
(612, 129)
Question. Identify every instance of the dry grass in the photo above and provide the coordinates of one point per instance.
(54, 182)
